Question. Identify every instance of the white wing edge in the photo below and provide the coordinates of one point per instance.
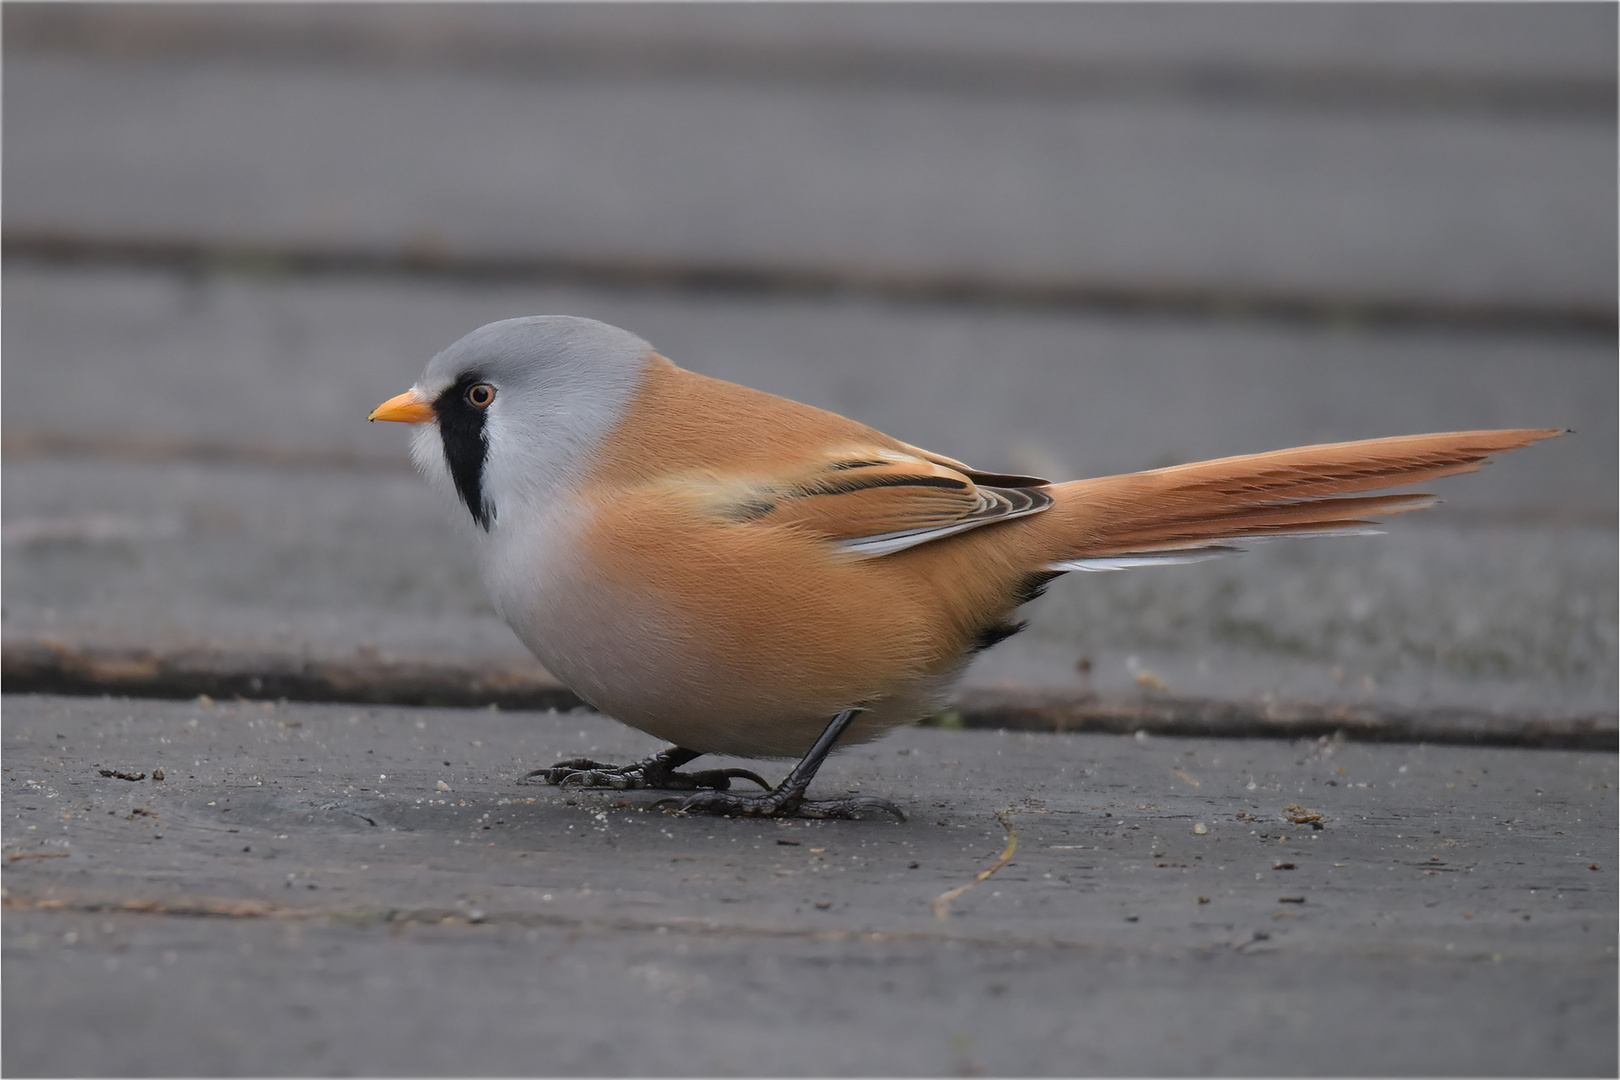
(1131, 562)
(869, 547)
(888, 543)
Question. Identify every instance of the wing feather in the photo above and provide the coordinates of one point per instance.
(878, 503)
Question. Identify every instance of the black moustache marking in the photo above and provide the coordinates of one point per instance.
(466, 445)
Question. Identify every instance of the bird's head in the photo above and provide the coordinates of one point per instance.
(513, 413)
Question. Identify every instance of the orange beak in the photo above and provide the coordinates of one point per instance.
(406, 408)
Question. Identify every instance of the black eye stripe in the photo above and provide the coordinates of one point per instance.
(466, 444)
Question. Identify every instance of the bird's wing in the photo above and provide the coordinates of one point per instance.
(1003, 480)
(877, 503)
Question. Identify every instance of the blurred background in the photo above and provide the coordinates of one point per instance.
(1062, 239)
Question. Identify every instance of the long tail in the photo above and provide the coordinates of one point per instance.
(1192, 512)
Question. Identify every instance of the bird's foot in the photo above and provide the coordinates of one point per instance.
(779, 803)
(657, 771)
(787, 798)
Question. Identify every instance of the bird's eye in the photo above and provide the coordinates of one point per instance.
(479, 395)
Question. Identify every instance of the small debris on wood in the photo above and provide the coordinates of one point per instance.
(157, 774)
(139, 811)
(118, 774)
(1149, 680)
(1282, 866)
(37, 855)
(941, 904)
(1301, 816)
(1594, 866)
(1203, 899)
(787, 843)
(1200, 829)
(1290, 899)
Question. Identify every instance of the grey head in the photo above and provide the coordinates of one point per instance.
(521, 406)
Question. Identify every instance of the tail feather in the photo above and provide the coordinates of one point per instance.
(1190, 512)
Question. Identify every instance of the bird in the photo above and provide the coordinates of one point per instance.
(736, 573)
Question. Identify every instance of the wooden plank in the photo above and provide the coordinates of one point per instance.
(51, 666)
(283, 371)
(208, 481)
(301, 895)
(1092, 195)
(364, 584)
(1224, 44)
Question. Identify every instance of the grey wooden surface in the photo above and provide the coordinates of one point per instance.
(300, 895)
(209, 476)
(1507, 45)
(307, 564)
(1067, 239)
(288, 366)
(1159, 193)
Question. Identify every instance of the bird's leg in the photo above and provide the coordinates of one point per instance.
(788, 800)
(657, 771)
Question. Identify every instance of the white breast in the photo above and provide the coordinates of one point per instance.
(609, 643)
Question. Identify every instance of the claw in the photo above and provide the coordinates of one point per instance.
(658, 771)
(720, 779)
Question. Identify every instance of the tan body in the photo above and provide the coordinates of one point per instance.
(693, 584)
